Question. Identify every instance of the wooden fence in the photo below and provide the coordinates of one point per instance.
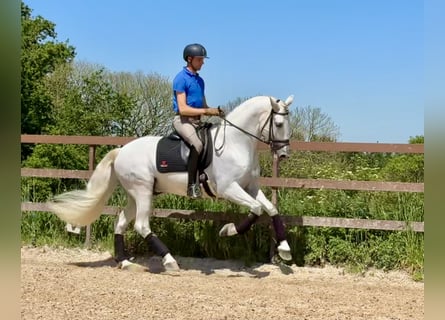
(274, 182)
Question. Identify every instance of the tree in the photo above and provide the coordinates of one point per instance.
(152, 111)
(83, 92)
(416, 139)
(40, 54)
(87, 99)
(310, 124)
(108, 103)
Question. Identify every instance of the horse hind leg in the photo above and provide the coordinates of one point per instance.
(143, 196)
(125, 217)
(161, 249)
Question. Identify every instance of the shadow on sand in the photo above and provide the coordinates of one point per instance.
(207, 266)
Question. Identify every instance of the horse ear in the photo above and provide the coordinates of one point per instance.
(275, 104)
(289, 100)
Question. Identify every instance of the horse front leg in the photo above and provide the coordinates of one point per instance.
(280, 234)
(239, 196)
(255, 199)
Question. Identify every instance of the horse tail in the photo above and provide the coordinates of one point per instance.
(83, 207)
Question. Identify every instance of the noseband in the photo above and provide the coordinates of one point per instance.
(274, 144)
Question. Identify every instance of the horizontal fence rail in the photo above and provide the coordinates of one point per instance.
(289, 220)
(274, 182)
(264, 181)
(294, 145)
(344, 185)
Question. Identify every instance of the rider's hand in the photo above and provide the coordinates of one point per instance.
(212, 112)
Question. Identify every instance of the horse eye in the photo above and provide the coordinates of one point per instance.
(279, 124)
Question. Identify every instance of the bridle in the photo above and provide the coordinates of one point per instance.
(271, 141)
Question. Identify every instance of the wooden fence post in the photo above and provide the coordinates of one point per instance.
(275, 174)
(91, 159)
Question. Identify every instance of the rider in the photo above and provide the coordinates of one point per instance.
(189, 103)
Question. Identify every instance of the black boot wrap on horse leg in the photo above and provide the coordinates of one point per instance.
(157, 245)
(120, 254)
(245, 225)
(278, 226)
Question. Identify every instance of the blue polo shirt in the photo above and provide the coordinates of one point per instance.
(193, 86)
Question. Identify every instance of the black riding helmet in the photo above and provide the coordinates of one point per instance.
(194, 50)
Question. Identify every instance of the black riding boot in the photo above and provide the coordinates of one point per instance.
(193, 189)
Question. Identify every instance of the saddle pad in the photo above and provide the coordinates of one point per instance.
(168, 156)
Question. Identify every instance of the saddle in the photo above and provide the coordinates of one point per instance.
(172, 151)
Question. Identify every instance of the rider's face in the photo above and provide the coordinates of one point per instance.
(196, 63)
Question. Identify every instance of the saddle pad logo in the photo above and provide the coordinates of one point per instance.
(164, 164)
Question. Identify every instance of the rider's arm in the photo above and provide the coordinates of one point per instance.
(186, 110)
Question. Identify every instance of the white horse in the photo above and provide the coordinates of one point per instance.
(232, 174)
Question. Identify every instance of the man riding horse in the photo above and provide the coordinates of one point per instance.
(189, 103)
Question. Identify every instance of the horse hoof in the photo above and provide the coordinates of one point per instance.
(170, 263)
(285, 255)
(228, 230)
(284, 251)
(171, 266)
(130, 266)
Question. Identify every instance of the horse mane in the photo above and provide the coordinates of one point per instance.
(241, 108)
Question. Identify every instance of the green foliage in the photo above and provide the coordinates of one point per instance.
(96, 106)
(40, 55)
(151, 111)
(58, 156)
(359, 250)
(417, 139)
(405, 168)
(42, 228)
(72, 157)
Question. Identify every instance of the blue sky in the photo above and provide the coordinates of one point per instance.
(361, 62)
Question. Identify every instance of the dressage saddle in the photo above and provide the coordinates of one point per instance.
(172, 151)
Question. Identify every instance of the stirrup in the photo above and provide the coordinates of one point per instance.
(194, 191)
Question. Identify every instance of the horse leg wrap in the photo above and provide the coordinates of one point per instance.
(245, 225)
(119, 248)
(279, 228)
(157, 245)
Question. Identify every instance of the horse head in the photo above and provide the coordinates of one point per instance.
(273, 122)
(279, 130)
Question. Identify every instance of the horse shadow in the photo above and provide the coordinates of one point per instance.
(109, 262)
(206, 266)
(228, 268)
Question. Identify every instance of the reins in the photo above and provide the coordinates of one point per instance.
(274, 144)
